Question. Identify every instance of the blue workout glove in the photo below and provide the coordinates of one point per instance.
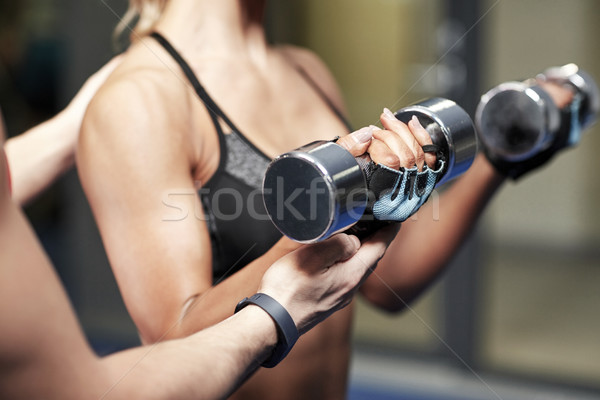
(569, 135)
(400, 193)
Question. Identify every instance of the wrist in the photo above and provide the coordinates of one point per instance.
(287, 332)
(490, 172)
(261, 323)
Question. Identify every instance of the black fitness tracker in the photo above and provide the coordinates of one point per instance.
(286, 328)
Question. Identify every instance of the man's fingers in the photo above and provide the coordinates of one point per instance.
(423, 138)
(384, 235)
(371, 251)
(328, 252)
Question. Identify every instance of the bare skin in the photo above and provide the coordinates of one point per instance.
(165, 274)
(148, 134)
(43, 353)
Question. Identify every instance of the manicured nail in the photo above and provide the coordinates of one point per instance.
(389, 114)
(374, 128)
(363, 135)
(415, 122)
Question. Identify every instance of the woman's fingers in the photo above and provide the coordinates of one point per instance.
(358, 141)
(423, 138)
(380, 153)
(397, 145)
(403, 140)
(388, 149)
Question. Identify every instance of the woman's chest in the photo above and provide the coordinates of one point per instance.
(271, 121)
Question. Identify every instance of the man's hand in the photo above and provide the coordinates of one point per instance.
(316, 280)
(75, 110)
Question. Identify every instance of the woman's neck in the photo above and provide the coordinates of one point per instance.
(216, 28)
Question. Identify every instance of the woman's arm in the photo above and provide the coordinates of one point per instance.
(426, 243)
(134, 152)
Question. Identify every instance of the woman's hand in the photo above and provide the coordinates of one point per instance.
(397, 145)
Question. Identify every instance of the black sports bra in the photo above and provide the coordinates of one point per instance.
(239, 226)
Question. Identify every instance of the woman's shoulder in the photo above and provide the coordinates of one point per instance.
(306, 59)
(141, 86)
(138, 101)
(140, 80)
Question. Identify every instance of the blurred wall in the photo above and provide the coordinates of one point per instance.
(539, 242)
(542, 271)
(557, 207)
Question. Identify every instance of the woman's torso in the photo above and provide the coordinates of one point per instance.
(274, 109)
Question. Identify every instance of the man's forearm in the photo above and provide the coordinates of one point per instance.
(218, 302)
(40, 155)
(207, 365)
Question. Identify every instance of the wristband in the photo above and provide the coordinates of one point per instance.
(286, 328)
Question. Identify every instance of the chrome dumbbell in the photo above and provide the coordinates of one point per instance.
(517, 121)
(320, 189)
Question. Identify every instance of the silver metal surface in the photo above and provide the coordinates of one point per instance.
(314, 191)
(516, 120)
(321, 189)
(583, 83)
(451, 128)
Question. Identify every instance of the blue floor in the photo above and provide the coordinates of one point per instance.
(361, 393)
(370, 393)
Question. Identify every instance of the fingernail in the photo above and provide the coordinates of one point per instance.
(416, 123)
(363, 135)
(389, 114)
(374, 128)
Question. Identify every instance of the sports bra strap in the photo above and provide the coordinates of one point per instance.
(187, 70)
(321, 93)
(214, 108)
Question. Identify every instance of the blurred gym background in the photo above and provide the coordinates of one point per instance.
(516, 314)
